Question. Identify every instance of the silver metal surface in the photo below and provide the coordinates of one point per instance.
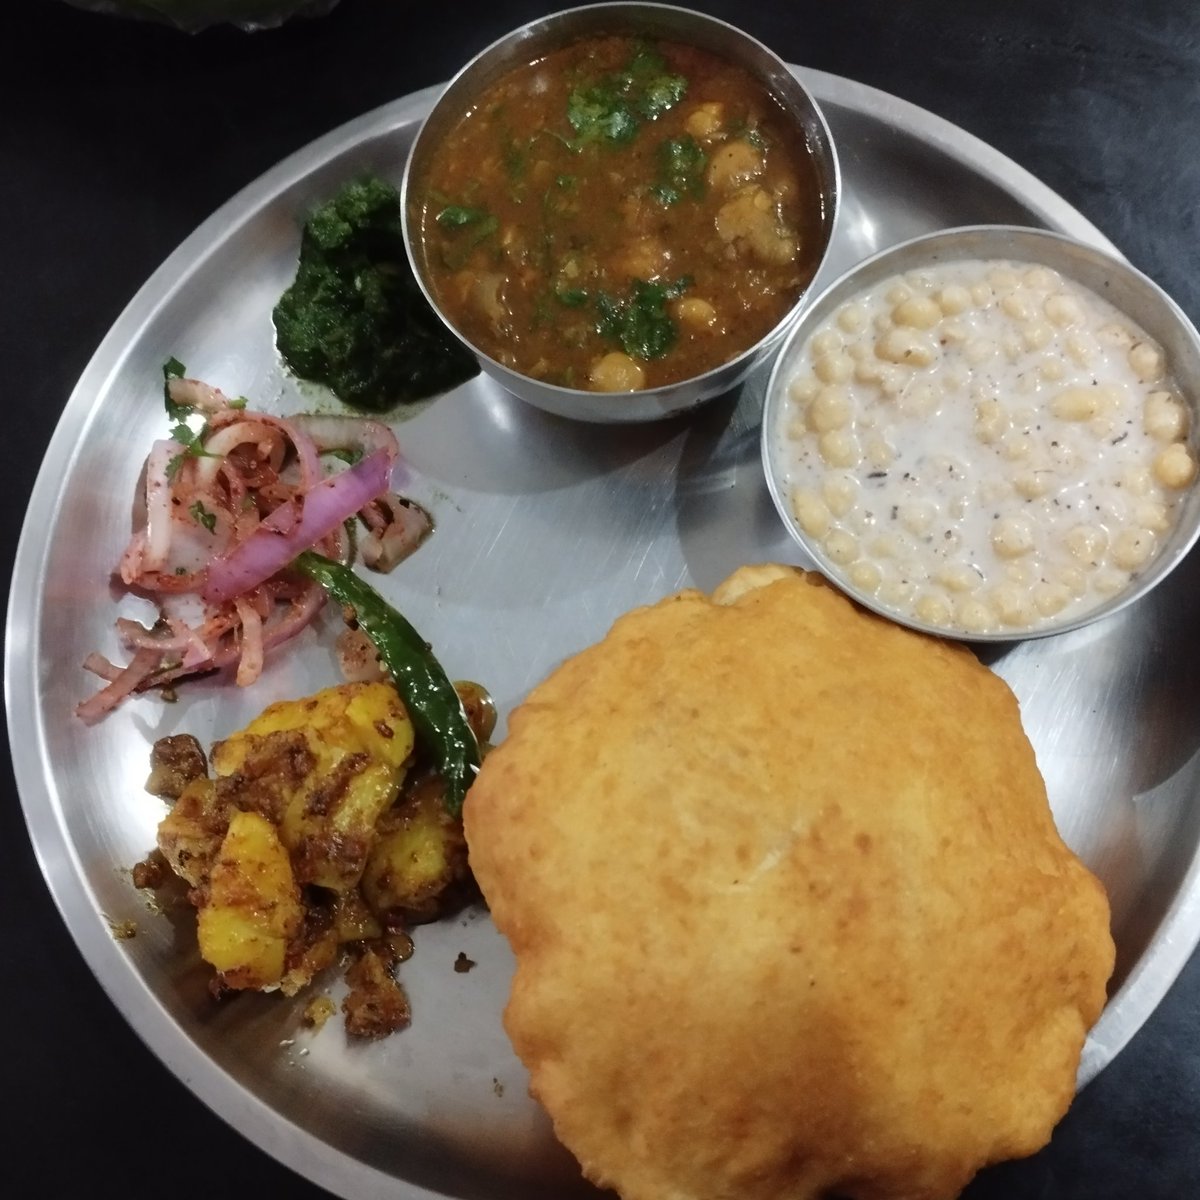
(655, 21)
(546, 530)
(1106, 275)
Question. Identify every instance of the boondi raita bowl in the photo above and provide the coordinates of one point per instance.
(1060, 435)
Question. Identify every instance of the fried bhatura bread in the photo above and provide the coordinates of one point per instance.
(790, 914)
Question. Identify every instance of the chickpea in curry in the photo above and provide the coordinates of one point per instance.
(620, 215)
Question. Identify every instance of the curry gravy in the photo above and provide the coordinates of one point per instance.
(620, 214)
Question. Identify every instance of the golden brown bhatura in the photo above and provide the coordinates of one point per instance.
(790, 913)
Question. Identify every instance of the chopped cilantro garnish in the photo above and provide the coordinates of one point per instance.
(571, 297)
(654, 89)
(613, 107)
(600, 113)
(174, 369)
(749, 133)
(640, 321)
(203, 516)
(192, 441)
(515, 158)
(662, 93)
(454, 216)
(468, 225)
(681, 164)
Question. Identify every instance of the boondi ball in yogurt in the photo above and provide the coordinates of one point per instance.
(985, 446)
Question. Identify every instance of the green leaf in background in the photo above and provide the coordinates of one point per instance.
(194, 15)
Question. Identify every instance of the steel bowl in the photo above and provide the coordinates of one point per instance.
(1112, 278)
(553, 32)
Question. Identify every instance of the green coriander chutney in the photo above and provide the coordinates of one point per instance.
(355, 319)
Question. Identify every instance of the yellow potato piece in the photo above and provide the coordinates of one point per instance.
(323, 769)
(253, 907)
(420, 852)
(190, 835)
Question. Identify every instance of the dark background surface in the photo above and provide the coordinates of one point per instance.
(118, 138)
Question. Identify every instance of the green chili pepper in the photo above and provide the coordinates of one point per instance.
(433, 704)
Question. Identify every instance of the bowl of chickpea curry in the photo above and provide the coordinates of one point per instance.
(619, 209)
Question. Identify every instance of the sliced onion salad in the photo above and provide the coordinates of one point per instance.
(223, 512)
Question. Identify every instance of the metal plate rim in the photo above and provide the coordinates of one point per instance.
(275, 1134)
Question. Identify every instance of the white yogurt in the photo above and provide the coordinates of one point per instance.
(984, 446)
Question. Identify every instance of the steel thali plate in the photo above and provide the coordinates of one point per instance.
(546, 531)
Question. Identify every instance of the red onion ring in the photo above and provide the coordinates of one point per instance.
(294, 526)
